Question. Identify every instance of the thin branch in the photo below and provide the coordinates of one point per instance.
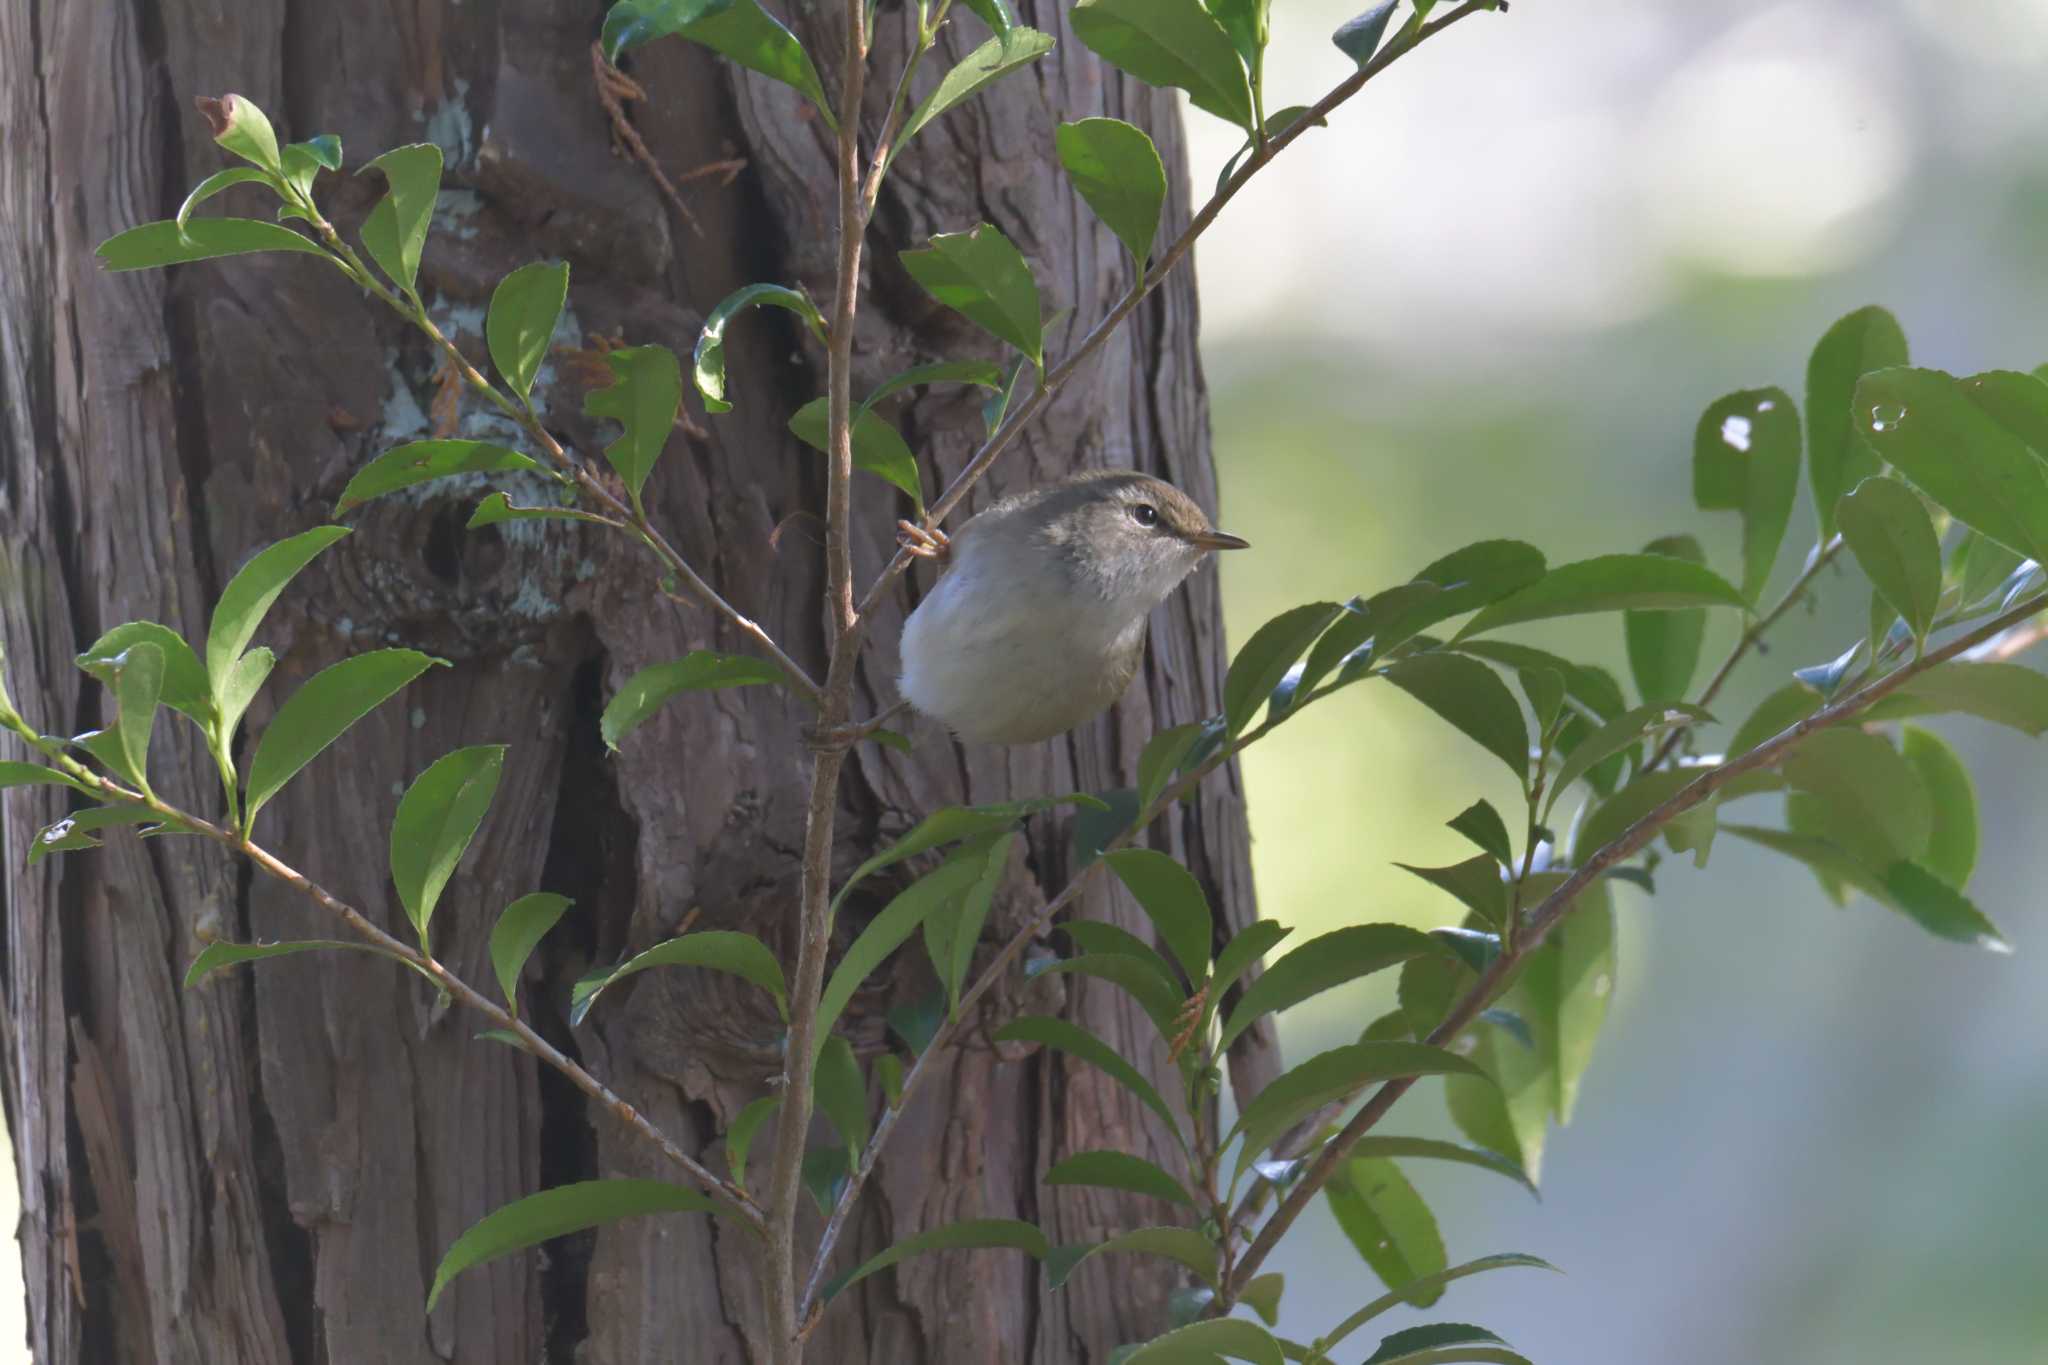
(614, 88)
(585, 478)
(1560, 902)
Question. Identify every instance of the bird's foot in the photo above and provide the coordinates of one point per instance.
(925, 544)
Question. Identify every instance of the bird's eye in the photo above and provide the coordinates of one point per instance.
(1145, 514)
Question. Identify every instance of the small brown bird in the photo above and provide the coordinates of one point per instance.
(1039, 622)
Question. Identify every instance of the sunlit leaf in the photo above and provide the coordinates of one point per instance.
(201, 239)
(1118, 172)
(1169, 42)
(645, 393)
(135, 676)
(1617, 735)
(418, 462)
(1977, 446)
(525, 307)
(700, 670)
(878, 448)
(325, 705)
(215, 183)
(437, 817)
(520, 928)
(184, 678)
(396, 230)
(249, 594)
(982, 276)
(739, 29)
(708, 361)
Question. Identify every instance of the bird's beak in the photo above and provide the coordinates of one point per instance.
(1218, 540)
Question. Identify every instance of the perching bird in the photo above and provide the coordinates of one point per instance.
(1039, 622)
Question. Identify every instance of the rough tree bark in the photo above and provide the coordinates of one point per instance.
(265, 1169)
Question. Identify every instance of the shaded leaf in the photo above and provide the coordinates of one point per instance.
(1008, 50)
(417, 462)
(1389, 1225)
(699, 671)
(1164, 754)
(719, 950)
(739, 29)
(1443, 1344)
(1939, 908)
(316, 715)
(215, 956)
(982, 276)
(1664, 646)
(2007, 693)
(983, 373)
(1879, 811)
(1482, 824)
(974, 1234)
(1333, 1075)
(1173, 900)
(1169, 42)
(1267, 656)
(1119, 174)
(201, 239)
(644, 396)
(708, 361)
(1837, 457)
(1502, 1261)
(739, 1138)
(1618, 735)
(952, 824)
(1202, 1343)
(1319, 964)
(520, 928)
(1776, 713)
(1952, 847)
(525, 307)
(1359, 38)
(1184, 1245)
(1609, 583)
(1746, 459)
(557, 1212)
(878, 448)
(437, 817)
(1119, 1171)
(1247, 946)
(952, 933)
(843, 1095)
(1476, 883)
(1475, 576)
(1078, 1042)
(1435, 1149)
(1886, 528)
(13, 774)
(1473, 699)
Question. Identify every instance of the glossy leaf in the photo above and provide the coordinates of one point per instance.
(878, 448)
(1952, 846)
(1175, 903)
(417, 462)
(1473, 699)
(250, 592)
(1119, 174)
(1184, 1245)
(1482, 824)
(1664, 646)
(325, 705)
(202, 239)
(1321, 963)
(698, 671)
(1609, 583)
(982, 276)
(952, 933)
(974, 1234)
(1746, 459)
(183, 686)
(1334, 1075)
(1476, 883)
(1837, 456)
(556, 1213)
(739, 29)
(1359, 38)
(1389, 1225)
(1977, 446)
(1077, 1042)
(843, 1094)
(214, 184)
(135, 677)
(995, 58)
(245, 679)
(396, 230)
(718, 950)
(1267, 656)
(520, 928)
(437, 817)
(240, 126)
(1886, 528)
(1170, 42)
(928, 895)
(1119, 1171)
(708, 361)
(1618, 735)
(644, 396)
(1880, 812)
(215, 956)
(1444, 1343)
(525, 307)
(1204, 1343)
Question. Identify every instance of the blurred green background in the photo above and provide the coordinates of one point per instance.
(1493, 300)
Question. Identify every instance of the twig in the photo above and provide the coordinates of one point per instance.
(1559, 903)
(614, 88)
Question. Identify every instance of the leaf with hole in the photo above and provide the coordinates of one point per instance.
(1838, 458)
(316, 715)
(644, 396)
(555, 1213)
(1746, 459)
(1119, 174)
(525, 307)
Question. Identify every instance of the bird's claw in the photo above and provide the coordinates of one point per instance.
(925, 544)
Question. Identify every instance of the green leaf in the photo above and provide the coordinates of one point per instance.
(1509, 1260)
(1359, 38)
(215, 956)
(1262, 1293)
(981, 276)
(1544, 687)
(973, 1234)
(525, 307)
(184, 680)
(1332, 1075)
(1164, 754)
(843, 1095)
(740, 29)
(982, 373)
(557, 1212)
(952, 824)
(214, 184)
(1201, 1343)
(1266, 657)
(1435, 1149)
(1170, 42)
(316, 715)
(1473, 699)
(497, 507)
(1001, 54)
(1939, 908)
(14, 774)
(249, 594)
(1613, 817)
(995, 13)
(1162, 998)
(1664, 646)
(1482, 824)
(952, 934)
(1879, 811)
(1472, 577)
(1976, 446)
(136, 678)
(1746, 459)
(1593, 688)
(1118, 172)
(437, 817)
(1887, 529)
(245, 679)
(739, 1138)
(1119, 1171)
(202, 239)
(74, 832)
(718, 950)
(1184, 1245)
(1837, 457)
(1568, 983)
(1618, 735)
(2009, 694)
(1389, 1225)
(878, 448)
(1776, 713)
(645, 393)
(239, 126)
(1444, 1343)
(1174, 901)
(1078, 1042)
(1952, 847)
(926, 896)
(1985, 568)
(1609, 583)
(396, 230)
(1476, 883)
(418, 462)
(1321, 963)
(708, 362)
(1247, 946)
(701, 670)
(519, 930)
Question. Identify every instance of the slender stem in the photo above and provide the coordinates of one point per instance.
(892, 124)
(1560, 902)
(585, 478)
(741, 1206)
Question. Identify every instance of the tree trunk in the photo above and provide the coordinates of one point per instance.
(266, 1168)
